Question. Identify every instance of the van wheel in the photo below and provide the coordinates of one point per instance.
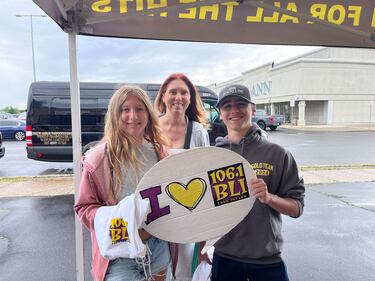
(262, 125)
(19, 135)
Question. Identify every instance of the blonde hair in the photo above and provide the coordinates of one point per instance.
(121, 147)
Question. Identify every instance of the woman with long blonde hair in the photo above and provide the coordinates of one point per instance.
(132, 144)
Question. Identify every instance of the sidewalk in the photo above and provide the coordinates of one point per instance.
(333, 128)
(36, 186)
(63, 184)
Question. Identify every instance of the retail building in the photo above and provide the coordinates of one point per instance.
(330, 86)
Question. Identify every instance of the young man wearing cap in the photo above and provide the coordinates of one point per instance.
(252, 250)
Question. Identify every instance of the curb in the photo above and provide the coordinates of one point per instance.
(301, 168)
(336, 167)
(54, 185)
(330, 128)
(33, 178)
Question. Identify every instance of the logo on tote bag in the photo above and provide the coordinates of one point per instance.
(118, 230)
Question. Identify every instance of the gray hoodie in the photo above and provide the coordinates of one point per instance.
(257, 239)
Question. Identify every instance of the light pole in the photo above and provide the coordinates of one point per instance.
(32, 38)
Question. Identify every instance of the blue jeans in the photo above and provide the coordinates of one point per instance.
(123, 269)
(224, 269)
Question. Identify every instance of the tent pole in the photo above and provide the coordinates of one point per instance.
(77, 150)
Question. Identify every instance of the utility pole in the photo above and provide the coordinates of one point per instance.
(32, 38)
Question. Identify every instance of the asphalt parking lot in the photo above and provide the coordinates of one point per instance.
(333, 240)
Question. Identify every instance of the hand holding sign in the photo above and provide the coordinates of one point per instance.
(197, 195)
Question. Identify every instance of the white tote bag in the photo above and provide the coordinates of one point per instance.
(202, 272)
(116, 228)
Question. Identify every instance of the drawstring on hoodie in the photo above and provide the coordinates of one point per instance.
(242, 146)
(145, 262)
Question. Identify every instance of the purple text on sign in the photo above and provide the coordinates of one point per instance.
(156, 212)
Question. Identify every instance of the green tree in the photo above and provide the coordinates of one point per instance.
(11, 110)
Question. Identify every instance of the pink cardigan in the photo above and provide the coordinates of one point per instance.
(93, 194)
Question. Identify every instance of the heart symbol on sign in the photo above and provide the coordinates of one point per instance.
(188, 196)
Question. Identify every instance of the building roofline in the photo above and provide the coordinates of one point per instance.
(314, 60)
(319, 49)
(270, 63)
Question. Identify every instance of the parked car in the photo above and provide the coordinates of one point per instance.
(13, 129)
(265, 120)
(6, 115)
(22, 116)
(2, 148)
(218, 129)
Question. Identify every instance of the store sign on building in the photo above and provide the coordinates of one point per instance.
(261, 89)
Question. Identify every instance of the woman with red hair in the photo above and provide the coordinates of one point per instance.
(180, 104)
(183, 121)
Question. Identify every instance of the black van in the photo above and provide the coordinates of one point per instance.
(48, 121)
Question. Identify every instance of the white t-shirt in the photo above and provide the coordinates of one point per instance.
(147, 157)
(199, 136)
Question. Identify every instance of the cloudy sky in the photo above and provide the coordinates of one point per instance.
(115, 60)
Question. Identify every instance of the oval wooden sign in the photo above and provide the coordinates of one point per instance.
(197, 195)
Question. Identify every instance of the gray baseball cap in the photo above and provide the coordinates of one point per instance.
(235, 90)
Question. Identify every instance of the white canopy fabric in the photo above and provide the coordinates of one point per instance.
(349, 23)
